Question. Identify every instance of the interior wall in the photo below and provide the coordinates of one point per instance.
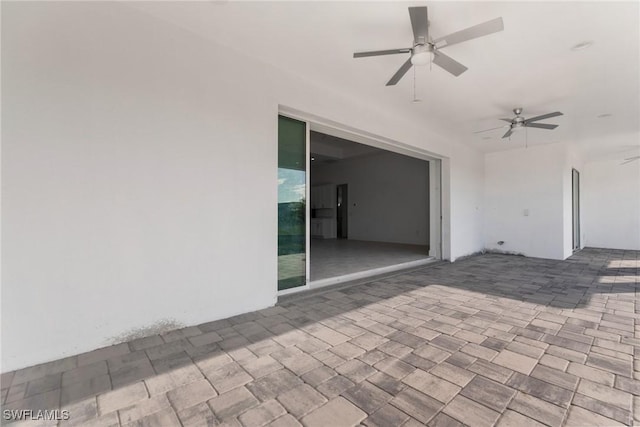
(388, 196)
(139, 172)
(611, 199)
(525, 201)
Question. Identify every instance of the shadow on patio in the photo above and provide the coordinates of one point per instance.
(484, 301)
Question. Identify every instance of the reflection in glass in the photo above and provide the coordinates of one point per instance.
(291, 203)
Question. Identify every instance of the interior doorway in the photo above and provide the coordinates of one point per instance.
(575, 208)
(340, 218)
(370, 208)
(342, 211)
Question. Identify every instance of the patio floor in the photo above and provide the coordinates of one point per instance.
(489, 340)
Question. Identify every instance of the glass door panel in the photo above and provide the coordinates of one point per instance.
(292, 175)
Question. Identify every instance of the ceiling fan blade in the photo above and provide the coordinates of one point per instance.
(630, 159)
(542, 117)
(506, 120)
(540, 125)
(420, 24)
(487, 130)
(476, 31)
(448, 63)
(508, 134)
(400, 73)
(380, 52)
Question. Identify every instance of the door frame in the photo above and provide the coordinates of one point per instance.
(439, 240)
(575, 210)
(345, 218)
(307, 228)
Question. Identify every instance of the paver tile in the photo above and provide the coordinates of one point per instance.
(164, 417)
(394, 367)
(605, 394)
(444, 420)
(274, 384)
(555, 376)
(337, 412)
(335, 386)
(538, 409)
(122, 397)
(489, 393)
(287, 420)
(490, 370)
(515, 361)
(191, 394)
(199, 415)
(262, 414)
(453, 373)
(233, 403)
(143, 408)
(580, 417)
(355, 370)
(386, 416)
(432, 385)
(301, 400)
(418, 405)
(605, 409)
(471, 413)
(228, 377)
(514, 419)
(542, 389)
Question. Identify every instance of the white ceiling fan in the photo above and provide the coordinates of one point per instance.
(630, 159)
(519, 122)
(424, 46)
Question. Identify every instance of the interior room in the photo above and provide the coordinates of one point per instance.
(369, 208)
(171, 174)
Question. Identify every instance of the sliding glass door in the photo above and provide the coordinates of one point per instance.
(292, 176)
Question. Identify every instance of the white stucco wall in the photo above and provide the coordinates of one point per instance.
(468, 204)
(525, 200)
(139, 176)
(611, 200)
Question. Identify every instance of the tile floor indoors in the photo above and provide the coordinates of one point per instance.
(489, 340)
(338, 257)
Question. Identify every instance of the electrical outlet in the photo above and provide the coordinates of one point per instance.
(526, 212)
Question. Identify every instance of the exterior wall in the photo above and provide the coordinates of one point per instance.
(467, 204)
(611, 200)
(139, 175)
(525, 199)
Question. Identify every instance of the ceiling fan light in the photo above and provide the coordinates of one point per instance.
(420, 58)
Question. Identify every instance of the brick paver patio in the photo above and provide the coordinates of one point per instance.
(490, 340)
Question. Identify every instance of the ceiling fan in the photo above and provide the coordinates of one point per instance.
(630, 159)
(424, 45)
(519, 122)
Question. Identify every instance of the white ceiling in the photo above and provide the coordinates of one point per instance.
(530, 64)
(327, 147)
